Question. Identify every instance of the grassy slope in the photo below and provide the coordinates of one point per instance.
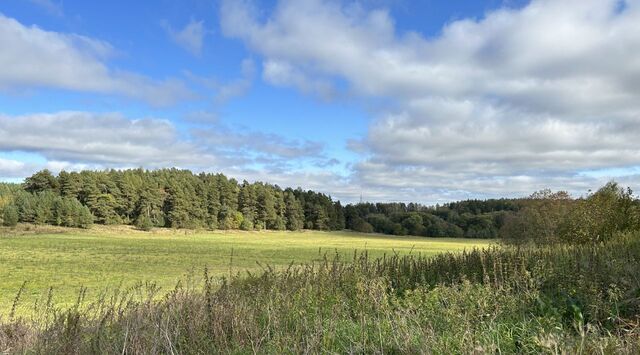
(104, 258)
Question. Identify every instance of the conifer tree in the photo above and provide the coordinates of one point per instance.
(10, 216)
(293, 211)
(41, 181)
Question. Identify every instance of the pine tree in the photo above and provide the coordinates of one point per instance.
(69, 184)
(150, 204)
(177, 206)
(338, 222)
(293, 211)
(228, 201)
(212, 200)
(267, 214)
(247, 203)
(10, 216)
(41, 181)
(280, 208)
(128, 184)
(144, 223)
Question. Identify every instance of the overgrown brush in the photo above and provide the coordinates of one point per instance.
(582, 299)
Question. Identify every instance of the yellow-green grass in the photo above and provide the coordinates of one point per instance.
(105, 258)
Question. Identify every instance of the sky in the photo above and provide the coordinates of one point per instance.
(386, 100)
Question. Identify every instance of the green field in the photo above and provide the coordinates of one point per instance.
(103, 259)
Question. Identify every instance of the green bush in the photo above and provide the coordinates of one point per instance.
(362, 226)
(246, 225)
(144, 223)
(10, 216)
(600, 216)
(551, 218)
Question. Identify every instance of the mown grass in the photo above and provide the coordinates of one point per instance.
(106, 258)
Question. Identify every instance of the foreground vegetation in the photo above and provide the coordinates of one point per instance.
(106, 258)
(571, 299)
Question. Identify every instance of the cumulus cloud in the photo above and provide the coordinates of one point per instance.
(222, 138)
(509, 103)
(35, 58)
(191, 37)
(83, 140)
(337, 186)
(282, 73)
(103, 139)
(10, 168)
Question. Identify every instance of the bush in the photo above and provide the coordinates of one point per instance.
(85, 219)
(539, 220)
(144, 223)
(10, 216)
(362, 226)
(232, 221)
(246, 225)
(600, 216)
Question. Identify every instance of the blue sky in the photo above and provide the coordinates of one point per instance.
(396, 100)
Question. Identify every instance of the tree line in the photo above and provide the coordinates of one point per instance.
(181, 199)
(176, 198)
(165, 198)
(468, 219)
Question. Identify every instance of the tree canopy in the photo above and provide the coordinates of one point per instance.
(176, 198)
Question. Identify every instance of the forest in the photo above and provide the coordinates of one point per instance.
(166, 198)
(175, 198)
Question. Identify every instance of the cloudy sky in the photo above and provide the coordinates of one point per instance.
(394, 100)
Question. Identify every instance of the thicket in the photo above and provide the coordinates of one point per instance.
(561, 299)
(415, 219)
(552, 218)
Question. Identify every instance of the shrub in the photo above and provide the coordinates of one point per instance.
(362, 226)
(600, 216)
(246, 225)
(144, 223)
(10, 216)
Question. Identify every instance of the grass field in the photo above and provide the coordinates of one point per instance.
(107, 258)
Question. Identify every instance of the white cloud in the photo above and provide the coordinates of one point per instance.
(100, 139)
(10, 168)
(35, 58)
(83, 140)
(512, 102)
(191, 37)
(284, 74)
(338, 186)
(267, 146)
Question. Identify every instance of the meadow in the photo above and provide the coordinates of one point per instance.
(102, 259)
(580, 299)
